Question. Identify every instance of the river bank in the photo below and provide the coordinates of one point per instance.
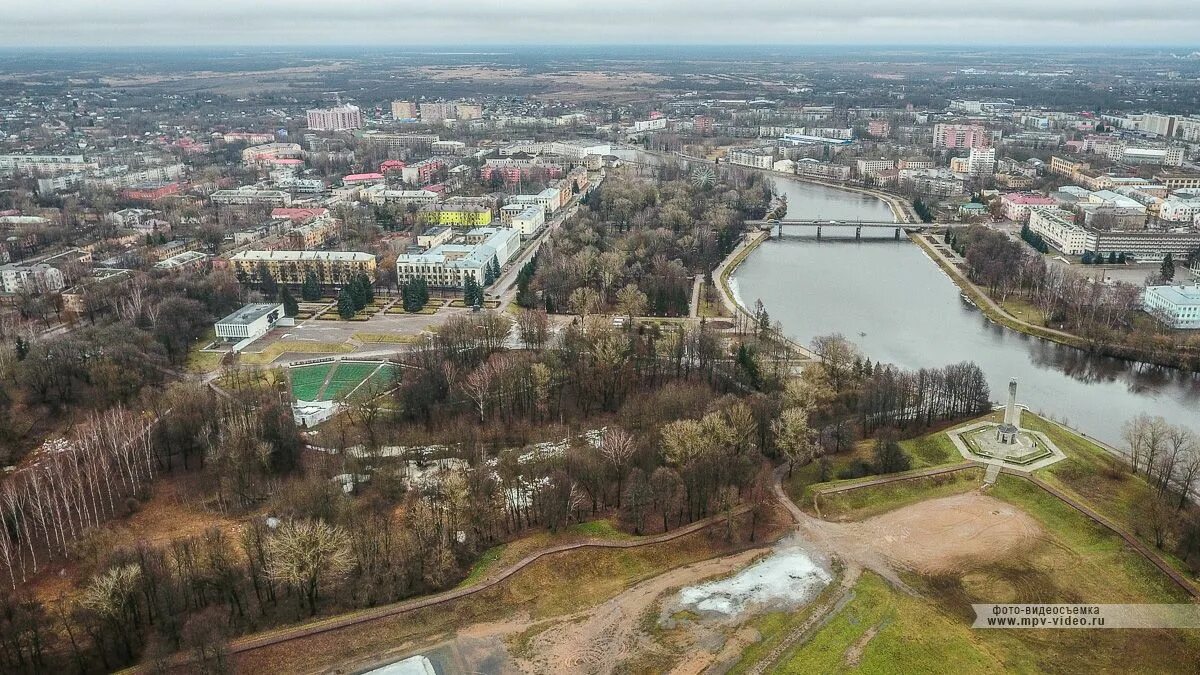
(998, 314)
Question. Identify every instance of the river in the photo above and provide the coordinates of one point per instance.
(899, 307)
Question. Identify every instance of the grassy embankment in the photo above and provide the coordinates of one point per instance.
(1001, 317)
(553, 586)
(882, 630)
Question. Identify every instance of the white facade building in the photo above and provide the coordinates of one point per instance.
(1176, 306)
(30, 278)
(529, 221)
(982, 161)
(250, 322)
(449, 265)
(339, 118)
(1059, 230)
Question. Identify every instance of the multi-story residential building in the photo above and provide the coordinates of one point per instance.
(44, 164)
(528, 221)
(759, 158)
(1059, 230)
(870, 167)
(468, 111)
(981, 161)
(455, 216)
(331, 268)
(449, 265)
(955, 136)
(437, 112)
(449, 147)
(1080, 173)
(703, 125)
(1175, 306)
(1016, 206)
(814, 167)
(404, 110)
(879, 128)
(249, 195)
(932, 182)
(549, 199)
(418, 142)
(312, 235)
(380, 195)
(338, 118)
(423, 172)
(30, 278)
(251, 137)
(265, 153)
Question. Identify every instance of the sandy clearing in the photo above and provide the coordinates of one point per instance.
(950, 534)
(598, 639)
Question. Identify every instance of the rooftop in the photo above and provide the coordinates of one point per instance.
(299, 256)
(251, 313)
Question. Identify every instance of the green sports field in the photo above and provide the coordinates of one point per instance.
(334, 381)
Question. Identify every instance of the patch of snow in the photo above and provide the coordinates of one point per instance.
(787, 577)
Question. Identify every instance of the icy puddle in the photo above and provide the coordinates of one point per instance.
(788, 577)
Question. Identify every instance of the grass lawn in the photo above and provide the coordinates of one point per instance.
(277, 349)
(1023, 310)
(882, 630)
(929, 450)
(1101, 480)
(872, 501)
(386, 338)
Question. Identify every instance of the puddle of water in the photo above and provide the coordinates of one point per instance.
(787, 577)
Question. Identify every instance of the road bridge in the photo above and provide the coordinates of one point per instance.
(837, 227)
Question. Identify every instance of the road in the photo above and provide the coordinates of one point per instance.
(505, 287)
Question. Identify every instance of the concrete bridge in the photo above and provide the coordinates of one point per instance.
(839, 227)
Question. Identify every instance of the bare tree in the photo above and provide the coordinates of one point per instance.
(306, 554)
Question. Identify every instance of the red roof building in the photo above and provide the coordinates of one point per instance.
(391, 165)
(361, 178)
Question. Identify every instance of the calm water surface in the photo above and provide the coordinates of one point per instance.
(892, 301)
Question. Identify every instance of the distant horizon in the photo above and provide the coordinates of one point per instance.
(233, 23)
(485, 48)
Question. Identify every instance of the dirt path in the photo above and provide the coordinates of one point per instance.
(601, 638)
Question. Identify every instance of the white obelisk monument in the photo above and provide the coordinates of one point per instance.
(1007, 432)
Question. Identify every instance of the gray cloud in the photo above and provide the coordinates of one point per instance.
(383, 22)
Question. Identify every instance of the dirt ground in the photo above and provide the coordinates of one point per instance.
(951, 534)
(947, 535)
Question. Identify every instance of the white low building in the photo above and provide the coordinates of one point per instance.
(1176, 306)
(529, 221)
(250, 322)
(1059, 230)
(30, 278)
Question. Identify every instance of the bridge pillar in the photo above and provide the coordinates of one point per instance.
(897, 234)
(818, 232)
(780, 230)
(858, 232)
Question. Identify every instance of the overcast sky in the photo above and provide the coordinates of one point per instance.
(459, 22)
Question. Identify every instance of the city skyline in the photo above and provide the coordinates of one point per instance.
(620, 22)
